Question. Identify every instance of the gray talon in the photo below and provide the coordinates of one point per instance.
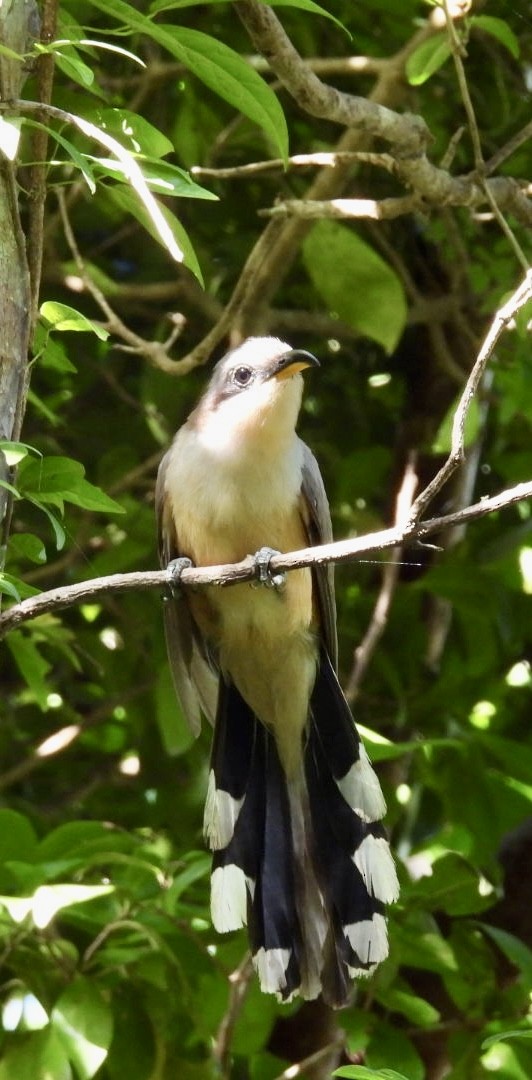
(174, 570)
(262, 559)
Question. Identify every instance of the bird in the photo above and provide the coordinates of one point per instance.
(293, 806)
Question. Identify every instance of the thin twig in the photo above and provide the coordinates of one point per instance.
(302, 1068)
(239, 981)
(458, 53)
(501, 319)
(321, 159)
(234, 574)
(390, 577)
(153, 351)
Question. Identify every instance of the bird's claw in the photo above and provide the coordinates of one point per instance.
(262, 559)
(174, 571)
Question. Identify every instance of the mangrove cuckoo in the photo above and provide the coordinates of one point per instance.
(293, 805)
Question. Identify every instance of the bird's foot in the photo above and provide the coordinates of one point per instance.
(262, 559)
(174, 571)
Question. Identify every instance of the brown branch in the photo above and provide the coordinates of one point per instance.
(408, 132)
(344, 209)
(338, 552)
(153, 351)
(463, 191)
(278, 246)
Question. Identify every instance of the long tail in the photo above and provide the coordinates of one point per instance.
(353, 863)
(303, 863)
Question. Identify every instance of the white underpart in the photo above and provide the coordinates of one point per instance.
(271, 965)
(369, 939)
(221, 815)
(374, 860)
(361, 789)
(229, 898)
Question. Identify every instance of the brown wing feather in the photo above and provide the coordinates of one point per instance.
(195, 682)
(317, 519)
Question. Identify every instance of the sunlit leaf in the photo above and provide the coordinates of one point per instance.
(83, 1021)
(428, 58)
(218, 66)
(355, 282)
(50, 899)
(62, 317)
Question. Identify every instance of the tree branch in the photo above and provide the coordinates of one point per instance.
(340, 551)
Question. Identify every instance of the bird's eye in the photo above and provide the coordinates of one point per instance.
(242, 376)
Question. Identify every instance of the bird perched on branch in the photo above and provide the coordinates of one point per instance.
(293, 805)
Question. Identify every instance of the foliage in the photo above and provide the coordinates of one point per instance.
(110, 965)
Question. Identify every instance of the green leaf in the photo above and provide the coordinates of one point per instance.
(62, 317)
(27, 546)
(133, 129)
(499, 29)
(32, 666)
(513, 948)
(304, 5)
(84, 1024)
(73, 153)
(124, 198)
(74, 68)
(56, 479)
(404, 1001)
(18, 839)
(218, 66)
(428, 58)
(135, 178)
(40, 1056)
(453, 887)
(355, 282)
(75, 837)
(58, 531)
(161, 177)
(49, 899)
(424, 949)
(14, 452)
(50, 351)
(8, 587)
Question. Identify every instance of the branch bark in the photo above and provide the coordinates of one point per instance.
(340, 551)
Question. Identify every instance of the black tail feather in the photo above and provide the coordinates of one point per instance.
(258, 861)
(304, 862)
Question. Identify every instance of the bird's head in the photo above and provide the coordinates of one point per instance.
(255, 391)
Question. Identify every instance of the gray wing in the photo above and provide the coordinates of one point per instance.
(195, 681)
(317, 518)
